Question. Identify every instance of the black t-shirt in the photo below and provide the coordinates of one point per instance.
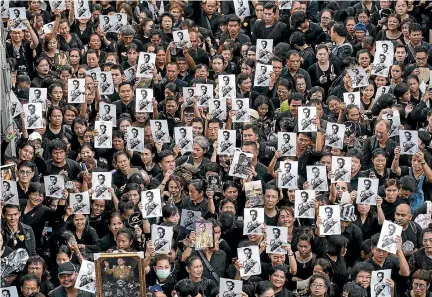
(23, 56)
(72, 168)
(390, 208)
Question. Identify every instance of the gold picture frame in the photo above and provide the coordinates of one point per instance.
(120, 273)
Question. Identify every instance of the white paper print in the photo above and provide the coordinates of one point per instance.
(16, 107)
(359, 77)
(181, 39)
(240, 106)
(189, 218)
(341, 169)
(277, 238)
(218, 109)
(81, 9)
(227, 88)
(80, 202)
(152, 204)
(264, 50)
(379, 287)
(9, 291)
(262, 75)
(184, 138)
(33, 115)
(101, 183)
(38, 95)
(57, 4)
(104, 139)
(161, 237)
(18, 18)
(393, 118)
(106, 83)
(285, 4)
(4, 9)
(54, 186)
(144, 100)
(287, 143)
(367, 190)
(204, 93)
(250, 259)
(76, 90)
(330, 217)
(408, 142)
(9, 192)
(288, 175)
(305, 116)
(381, 91)
(107, 113)
(241, 8)
(352, 98)
(230, 287)
(388, 237)
(317, 177)
(383, 59)
(335, 134)
(112, 23)
(253, 221)
(86, 279)
(146, 64)
(189, 94)
(135, 139)
(304, 207)
(240, 165)
(160, 131)
(47, 28)
(130, 73)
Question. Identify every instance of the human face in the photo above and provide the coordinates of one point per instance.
(233, 28)
(43, 67)
(168, 163)
(122, 242)
(123, 163)
(197, 128)
(268, 16)
(427, 242)
(347, 81)
(196, 269)
(259, 10)
(229, 206)
(25, 174)
(294, 62)
(231, 193)
(126, 93)
(58, 156)
(277, 279)
(98, 207)
(400, 54)
(116, 76)
(419, 287)
(213, 129)
(249, 135)
(79, 221)
(56, 118)
(364, 60)
(198, 151)
(391, 193)
(303, 141)
(217, 65)
(210, 7)
(421, 59)
(30, 286)
(401, 7)
(286, 219)
(368, 92)
(64, 29)
(350, 26)
(325, 18)
(271, 198)
(62, 258)
(304, 248)
(318, 287)
(174, 188)
(36, 269)
(294, 105)
(35, 198)
(160, 56)
(396, 72)
(301, 85)
(363, 278)
(322, 55)
(413, 85)
(67, 280)
(95, 42)
(172, 72)
(379, 255)
(194, 194)
(381, 131)
(393, 23)
(115, 225)
(402, 215)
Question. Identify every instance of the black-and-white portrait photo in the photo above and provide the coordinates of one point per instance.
(381, 91)
(105, 23)
(101, 183)
(80, 202)
(4, 9)
(130, 73)
(204, 93)
(16, 107)
(151, 203)
(146, 64)
(14, 262)
(189, 218)
(181, 39)
(240, 106)
(47, 28)
(214, 182)
(189, 94)
(288, 175)
(9, 291)
(408, 142)
(107, 113)
(241, 8)
(17, 18)
(330, 216)
(54, 186)
(262, 75)
(119, 20)
(287, 143)
(81, 9)
(317, 177)
(264, 49)
(253, 221)
(230, 288)
(388, 237)
(76, 90)
(367, 190)
(57, 4)
(277, 238)
(161, 237)
(184, 138)
(285, 4)
(241, 164)
(352, 98)
(379, 285)
(304, 204)
(9, 192)
(359, 78)
(341, 169)
(393, 118)
(160, 131)
(86, 279)
(38, 95)
(250, 259)
(104, 138)
(305, 117)
(33, 115)
(144, 100)
(227, 88)
(334, 136)
(381, 65)
(106, 83)
(218, 109)
(135, 139)
(254, 193)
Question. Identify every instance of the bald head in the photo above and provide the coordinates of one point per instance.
(403, 215)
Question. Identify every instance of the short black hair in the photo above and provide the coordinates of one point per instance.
(186, 288)
(339, 29)
(57, 144)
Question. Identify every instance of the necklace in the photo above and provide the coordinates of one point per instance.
(304, 260)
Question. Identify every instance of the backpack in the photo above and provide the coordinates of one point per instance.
(417, 198)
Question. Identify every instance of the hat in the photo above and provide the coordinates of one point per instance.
(360, 27)
(347, 213)
(66, 268)
(34, 136)
(23, 78)
(253, 113)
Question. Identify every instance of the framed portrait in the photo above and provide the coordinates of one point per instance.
(119, 273)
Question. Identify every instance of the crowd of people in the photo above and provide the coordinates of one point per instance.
(319, 50)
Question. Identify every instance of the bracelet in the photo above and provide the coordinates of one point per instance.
(291, 255)
(424, 162)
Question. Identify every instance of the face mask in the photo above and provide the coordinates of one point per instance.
(163, 273)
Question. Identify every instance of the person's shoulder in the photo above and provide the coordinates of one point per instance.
(26, 227)
(58, 292)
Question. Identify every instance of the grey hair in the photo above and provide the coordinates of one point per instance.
(198, 184)
(127, 30)
(202, 142)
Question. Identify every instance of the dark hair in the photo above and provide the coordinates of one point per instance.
(125, 205)
(28, 164)
(186, 288)
(198, 184)
(273, 269)
(262, 286)
(400, 89)
(30, 277)
(354, 290)
(335, 244)
(169, 210)
(270, 6)
(415, 27)
(294, 96)
(359, 267)
(38, 260)
(165, 153)
(36, 187)
(127, 232)
(297, 18)
(326, 266)
(422, 274)
(57, 144)
(339, 29)
(325, 278)
(408, 183)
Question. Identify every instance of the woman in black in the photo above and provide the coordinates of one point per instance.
(85, 235)
(367, 220)
(68, 40)
(323, 72)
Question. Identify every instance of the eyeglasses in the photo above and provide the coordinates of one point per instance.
(23, 172)
(419, 286)
(318, 286)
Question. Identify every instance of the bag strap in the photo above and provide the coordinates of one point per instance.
(209, 267)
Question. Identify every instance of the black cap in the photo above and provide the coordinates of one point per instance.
(66, 268)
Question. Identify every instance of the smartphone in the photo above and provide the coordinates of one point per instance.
(84, 167)
(48, 229)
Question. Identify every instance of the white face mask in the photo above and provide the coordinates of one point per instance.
(163, 273)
